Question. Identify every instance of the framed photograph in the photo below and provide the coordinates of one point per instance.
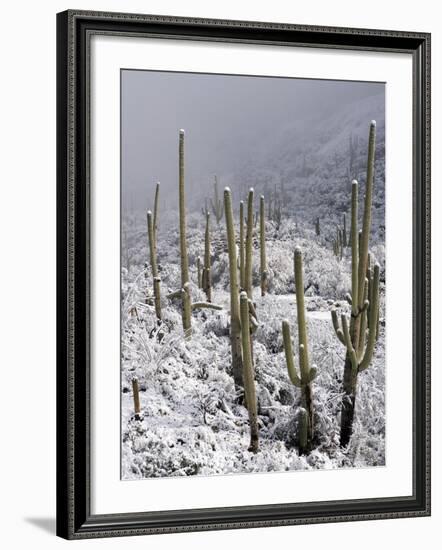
(243, 274)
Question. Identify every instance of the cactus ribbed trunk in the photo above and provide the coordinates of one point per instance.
(153, 263)
(242, 266)
(155, 213)
(303, 340)
(186, 309)
(207, 267)
(248, 373)
(249, 246)
(235, 322)
(262, 246)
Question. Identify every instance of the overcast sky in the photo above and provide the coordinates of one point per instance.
(226, 118)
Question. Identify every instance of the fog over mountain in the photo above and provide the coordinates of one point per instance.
(247, 130)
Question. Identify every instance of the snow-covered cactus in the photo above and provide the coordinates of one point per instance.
(207, 274)
(186, 310)
(216, 202)
(248, 373)
(235, 322)
(360, 337)
(242, 266)
(262, 246)
(153, 263)
(307, 373)
(249, 246)
(152, 246)
(155, 212)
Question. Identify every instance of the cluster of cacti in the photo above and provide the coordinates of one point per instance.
(243, 318)
(216, 202)
(307, 373)
(359, 336)
(152, 228)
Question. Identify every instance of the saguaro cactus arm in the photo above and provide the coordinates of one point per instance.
(373, 318)
(296, 381)
(366, 222)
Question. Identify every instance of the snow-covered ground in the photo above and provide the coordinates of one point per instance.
(191, 422)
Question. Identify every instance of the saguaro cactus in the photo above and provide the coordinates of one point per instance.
(186, 310)
(360, 337)
(153, 263)
(184, 292)
(262, 246)
(249, 246)
(242, 258)
(307, 374)
(248, 373)
(155, 212)
(207, 276)
(235, 322)
(217, 205)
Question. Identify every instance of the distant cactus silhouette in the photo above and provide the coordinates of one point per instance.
(216, 202)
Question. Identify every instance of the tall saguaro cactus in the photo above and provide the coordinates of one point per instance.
(155, 212)
(186, 310)
(217, 205)
(248, 372)
(154, 265)
(235, 322)
(307, 373)
(207, 274)
(262, 246)
(242, 258)
(248, 286)
(360, 337)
